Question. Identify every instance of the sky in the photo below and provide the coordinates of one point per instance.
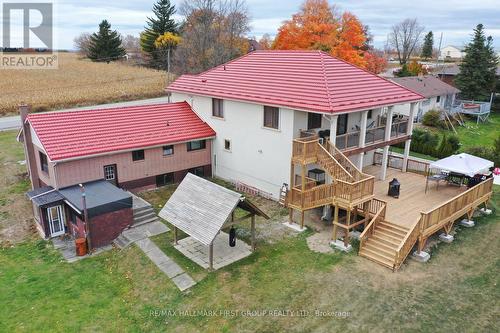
(454, 18)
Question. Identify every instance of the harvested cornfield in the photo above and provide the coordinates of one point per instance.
(77, 82)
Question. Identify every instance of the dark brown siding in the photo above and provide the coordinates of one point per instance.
(106, 227)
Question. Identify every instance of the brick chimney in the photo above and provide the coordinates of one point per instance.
(29, 151)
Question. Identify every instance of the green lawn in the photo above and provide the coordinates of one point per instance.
(122, 291)
(482, 134)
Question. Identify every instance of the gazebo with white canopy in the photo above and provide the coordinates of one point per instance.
(464, 164)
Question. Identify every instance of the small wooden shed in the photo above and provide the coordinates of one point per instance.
(202, 209)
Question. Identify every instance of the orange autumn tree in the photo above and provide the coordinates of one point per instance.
(318, 26)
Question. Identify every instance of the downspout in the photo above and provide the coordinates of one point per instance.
(86, 218)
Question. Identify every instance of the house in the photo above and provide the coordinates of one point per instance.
(107, 151)
(259, 103)
(448, 73)
(451, 52)
(438, 94)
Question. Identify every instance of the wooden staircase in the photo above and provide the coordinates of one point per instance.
(383, 244)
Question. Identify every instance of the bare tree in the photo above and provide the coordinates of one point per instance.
(82, 43)
(212, 33)
(131, 44)
(405, 37)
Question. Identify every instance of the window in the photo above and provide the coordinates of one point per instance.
(109, 172)
(138, 155)
(44, 165)
(199, 171)
(217, 108)
(227, 144)
(165, 179)
(370, 114)
(313, 120)
(438, 99)
(271, 117)
(196, 145)
(168, 150)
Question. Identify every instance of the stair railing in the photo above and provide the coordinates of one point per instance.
(370, 228)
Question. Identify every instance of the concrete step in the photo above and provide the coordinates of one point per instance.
(122, 242)
(143, 212)
(138, 210)
(145, 216)
(145, 221)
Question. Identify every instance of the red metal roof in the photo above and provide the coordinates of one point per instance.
(71, 134)
(305, 80)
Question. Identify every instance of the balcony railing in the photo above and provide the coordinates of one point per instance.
(350, 140)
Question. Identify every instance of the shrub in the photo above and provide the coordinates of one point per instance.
(454, 142)
(428, 143)
(480, 151)
(432, 118)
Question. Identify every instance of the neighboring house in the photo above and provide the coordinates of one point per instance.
(259, 103)
(438, 94)
(451, 52)
(107, 150)
(448, 73)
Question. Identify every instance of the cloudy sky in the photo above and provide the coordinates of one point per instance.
(454, 18)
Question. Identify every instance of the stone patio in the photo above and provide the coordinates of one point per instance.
(223, 253)
(67, 247)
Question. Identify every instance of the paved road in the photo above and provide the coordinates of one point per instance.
(14, 122)
(9, 123)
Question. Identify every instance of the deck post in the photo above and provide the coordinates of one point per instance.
(302, 219)
(348, 223)
(335, 221)
(211, 257)
(409, 131)
(175, 236)
(387, 137)
(253, 232)
(362, 137)
(292, 184)
(333, 129)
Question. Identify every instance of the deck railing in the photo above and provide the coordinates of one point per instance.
(313, 197)
(396, 162)
(451, 210)
(305, 148)
(374, 206)
(407, 244)
(344, 161)
(351, 192)
(370, 228)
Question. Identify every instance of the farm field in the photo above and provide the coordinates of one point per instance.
(78, 82)
(122, 291)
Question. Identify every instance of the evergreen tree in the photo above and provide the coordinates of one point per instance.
(428, 46)
(476, 79)
(106, 44)
(158, 25)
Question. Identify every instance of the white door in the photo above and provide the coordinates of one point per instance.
(56, 220)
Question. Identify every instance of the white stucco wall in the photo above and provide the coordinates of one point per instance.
(259, 157)
(424, 106)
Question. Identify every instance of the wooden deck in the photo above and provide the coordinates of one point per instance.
(413, 199)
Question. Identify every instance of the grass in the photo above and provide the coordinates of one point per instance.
(118, 291)
(78, 82)
(412, 153)
(472, 134)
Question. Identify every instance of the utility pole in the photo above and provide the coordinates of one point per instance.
(168, 73)
(86, 217)
(439, 50)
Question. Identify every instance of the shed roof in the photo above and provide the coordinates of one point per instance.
(304, 80)
(200, 208)
(45, 195)
(73, 134)
(428, 86)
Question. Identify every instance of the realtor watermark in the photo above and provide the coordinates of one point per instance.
(330, 313)
(27, 36)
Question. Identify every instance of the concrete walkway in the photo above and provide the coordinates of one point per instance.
(181, 279)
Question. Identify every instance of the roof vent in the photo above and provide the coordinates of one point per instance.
(168, 123)
(204, 80)
(224, 67)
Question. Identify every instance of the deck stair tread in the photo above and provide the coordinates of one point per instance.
(382, 245)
